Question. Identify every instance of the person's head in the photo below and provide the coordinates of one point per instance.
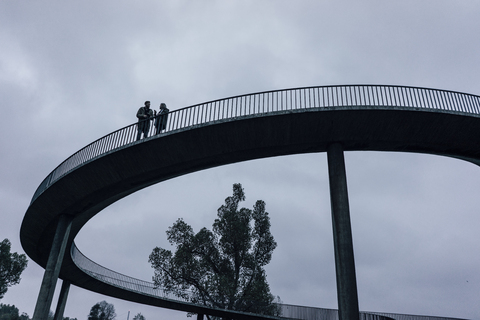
(163, 105)
(147, 104)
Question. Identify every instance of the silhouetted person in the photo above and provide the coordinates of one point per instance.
(161, 118)
(144, 116)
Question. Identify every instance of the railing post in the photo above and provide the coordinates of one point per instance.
(342, 235)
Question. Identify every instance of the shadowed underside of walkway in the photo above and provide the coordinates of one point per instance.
(269, 124)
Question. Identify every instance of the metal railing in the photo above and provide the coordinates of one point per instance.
(274, 102)
(288, 311)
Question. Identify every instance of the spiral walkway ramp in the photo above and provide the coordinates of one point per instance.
(230, 130)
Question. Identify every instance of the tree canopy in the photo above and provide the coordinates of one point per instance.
(102, 311)
(8, 312)
(222, 268)
(139, 316)
(11, 267)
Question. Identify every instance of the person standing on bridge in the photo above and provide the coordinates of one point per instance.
(161, 118)
(144, 115)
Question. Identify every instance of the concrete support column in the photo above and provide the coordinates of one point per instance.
(52, 269)
(62, 300)
(200, 316)
(342, 235)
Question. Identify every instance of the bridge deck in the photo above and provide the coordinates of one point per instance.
(97, 180)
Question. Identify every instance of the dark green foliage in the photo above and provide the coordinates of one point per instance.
(139, 316)
(8, 312)
(11, 267)
(222, 268)
(102, 311)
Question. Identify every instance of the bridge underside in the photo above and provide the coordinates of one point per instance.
(95, 185)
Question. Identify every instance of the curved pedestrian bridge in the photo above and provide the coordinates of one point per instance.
(230, 130)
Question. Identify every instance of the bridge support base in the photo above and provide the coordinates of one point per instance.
(347, 295)
(52, 269)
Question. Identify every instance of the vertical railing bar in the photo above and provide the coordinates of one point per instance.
(469, 103)
(328, 96)
(405, 94)
(416, 97)
(452, 101)
(373, 90)
(434, 100)
(242, 106)
(444, 100)
(177, 119)
(413, 97)
(323, 97)
(429, 99)
(437, 100)
(294, 97)
(190, 113)
(475, 104)
(402, 100)
(263, 102)
(405, 97)
(183, 121)
(335, 104)
(198, 119)
(387, 96)
(397, 95)
(384, 99)
(424, 98)
(392, 96)
(305, 98)
(364, 97)
(341, 102)
(455, 102)
(353, 95)
(347, 95)
(379, 96)
(369, 89)
(181, 117)
(209, 107)
(464, 106)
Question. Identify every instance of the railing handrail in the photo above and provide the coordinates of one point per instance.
(274, 101)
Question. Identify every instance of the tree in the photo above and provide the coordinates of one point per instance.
(139, 316)
(223, 268)
(11, 267)
(8, 312)
(102, 311)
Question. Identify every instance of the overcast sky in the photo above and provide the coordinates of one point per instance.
(73, 71)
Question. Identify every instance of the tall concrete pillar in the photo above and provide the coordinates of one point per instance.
(62, 300)
(347, 295)
(52, 269)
